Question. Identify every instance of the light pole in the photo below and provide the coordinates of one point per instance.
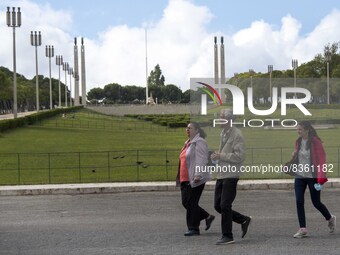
(180, 94)
(270, 70)
(59, 62)
(50, 54)
(295, 65)
(146, 67)
(328, 58)
(70, 72)
(76, 73)
(14, 20)
(251, 73)
(36, 41)
(235, 75)
(65, 68)
(83, 72)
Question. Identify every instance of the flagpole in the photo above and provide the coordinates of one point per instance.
(146, 67)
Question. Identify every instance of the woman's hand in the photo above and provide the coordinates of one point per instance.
(215, 156)
(197, 178)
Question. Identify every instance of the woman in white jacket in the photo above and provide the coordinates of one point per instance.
(193, 158)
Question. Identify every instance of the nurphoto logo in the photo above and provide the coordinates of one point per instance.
(286, 97)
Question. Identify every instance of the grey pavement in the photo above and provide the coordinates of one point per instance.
(11, 116)
(97, 188)
(154, 223)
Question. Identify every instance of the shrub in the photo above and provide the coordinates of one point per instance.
(177, 124)
(33, 118)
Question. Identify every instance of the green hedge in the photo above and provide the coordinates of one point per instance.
(33, 118)
(170, 120)
(177, 124)
(11, 124)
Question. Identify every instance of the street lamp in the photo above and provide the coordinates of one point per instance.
(65, 68)
(328, 58)
(235, 75)
(270, 70)
(76, 73)
(14, 20)
(295, 65)
(83, 72)
(50, 54)
(180, 94)
(36, 41)
(59, 62)
(251, 73)
(70, 72)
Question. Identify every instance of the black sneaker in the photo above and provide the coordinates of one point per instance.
(208, 221)
(225, 240)
(245, 225)
(192, 233)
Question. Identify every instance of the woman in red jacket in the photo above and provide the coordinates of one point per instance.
(311, 166)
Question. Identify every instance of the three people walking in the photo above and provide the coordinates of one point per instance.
(309, 155)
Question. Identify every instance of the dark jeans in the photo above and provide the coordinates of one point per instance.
(225, 193)
(190, 200)
(300, 186)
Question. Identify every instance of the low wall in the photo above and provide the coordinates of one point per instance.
(146, 109)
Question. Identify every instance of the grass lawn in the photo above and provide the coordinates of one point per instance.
(90, 147)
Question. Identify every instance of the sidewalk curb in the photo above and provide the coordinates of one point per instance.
(102, 188)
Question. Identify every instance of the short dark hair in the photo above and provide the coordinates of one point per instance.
(200, 130)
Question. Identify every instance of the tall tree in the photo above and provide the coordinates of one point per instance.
(331, 49)
(112, 92)
(6, 91)
(96, 93)
(172, 93)
(156, 78)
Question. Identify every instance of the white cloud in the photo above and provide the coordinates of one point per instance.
(262, 44)
(327, 31)
(180, 42)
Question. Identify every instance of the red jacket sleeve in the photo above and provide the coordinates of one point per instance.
(319, 160)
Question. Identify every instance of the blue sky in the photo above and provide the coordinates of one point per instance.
(180, 35)
(229, 16)
(90, 16)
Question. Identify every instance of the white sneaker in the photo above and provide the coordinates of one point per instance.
(332, 224)
(301, 233)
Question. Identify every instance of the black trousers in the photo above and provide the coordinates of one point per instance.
(225, 193)
(190, 200)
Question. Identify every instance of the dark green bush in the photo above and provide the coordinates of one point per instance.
(177, 124)
(164, 119)
(33, 118)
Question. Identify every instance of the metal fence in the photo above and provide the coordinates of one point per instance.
(128, 165)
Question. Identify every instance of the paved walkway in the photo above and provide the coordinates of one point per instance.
(98, 188)
(145, 223)
(20, 114)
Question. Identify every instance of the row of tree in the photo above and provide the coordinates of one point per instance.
(26, 92)
(116, 94)
(171, 93)
(311, 75)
